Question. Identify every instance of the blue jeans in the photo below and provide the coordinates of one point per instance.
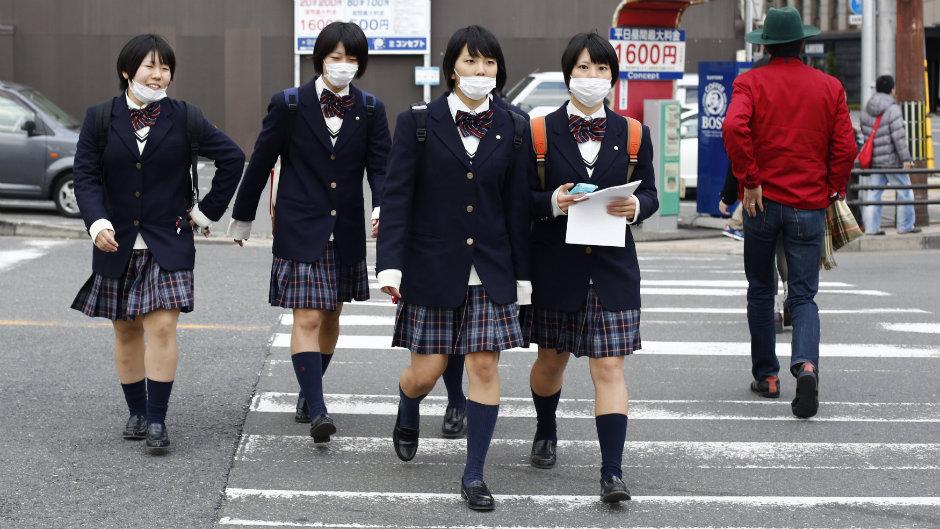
(871, 215)
(801, 231)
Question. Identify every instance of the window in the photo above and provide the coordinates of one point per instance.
(51, 108)
(689, 128)
(13, 115)
(691, 96)
(548, 94)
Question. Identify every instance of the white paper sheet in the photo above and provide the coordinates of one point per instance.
(589, 222)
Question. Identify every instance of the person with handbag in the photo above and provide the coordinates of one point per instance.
(327, 133)
(883, 125)
(790, 141)
(136, 186)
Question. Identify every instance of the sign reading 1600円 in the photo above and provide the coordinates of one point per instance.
(649, 54)
(400, 27)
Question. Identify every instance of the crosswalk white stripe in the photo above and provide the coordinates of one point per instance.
(34, 250)
(842, 350)
(922, 328)
(721, 291)
(722, 283)
(657, 454)
(669, 410)
(226, 520)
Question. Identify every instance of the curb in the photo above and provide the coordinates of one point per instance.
(38, 229)
(894, 243)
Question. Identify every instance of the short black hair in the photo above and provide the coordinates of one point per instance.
(139, 48)
(884, 84)
(787, 49)
(353, 39)
(479, 41)
(598, 48)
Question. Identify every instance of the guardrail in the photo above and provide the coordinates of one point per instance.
(853, 200)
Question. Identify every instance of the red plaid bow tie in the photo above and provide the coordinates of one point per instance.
(145, 117)
(475, 124)
(335, 106)
(584, 129)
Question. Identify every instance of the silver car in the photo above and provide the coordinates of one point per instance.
(37, 148)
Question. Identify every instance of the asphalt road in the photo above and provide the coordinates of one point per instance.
(702, 450)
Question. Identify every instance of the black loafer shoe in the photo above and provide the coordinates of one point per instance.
(405, 441)
(543, 453)
(769, 388)
(322, 428)
(136, 428)
(613, 490)
(455, 423)
(302, 413)
(158, 440)
(806, 403)
(477, 495)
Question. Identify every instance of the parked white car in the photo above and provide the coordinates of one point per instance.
(539, 93)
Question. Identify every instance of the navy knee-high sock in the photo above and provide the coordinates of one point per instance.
(158, 399)
(325, 362)
(135, 394)
(546, 428)
(453, 381)
(481, 421)
(409, 410)
(611, 434)
(309, 370)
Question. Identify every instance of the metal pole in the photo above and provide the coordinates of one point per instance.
(427, 87)
(868, 50)
(748, 27)
(887, 26)
(296, 69)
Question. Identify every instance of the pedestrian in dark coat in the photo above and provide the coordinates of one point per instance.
(326, 133)
(139, 205)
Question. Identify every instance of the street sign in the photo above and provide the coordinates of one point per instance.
(855, 7)
(393, 27)
(649, 54)
(815, 48)
(855, 20)
(427, 75)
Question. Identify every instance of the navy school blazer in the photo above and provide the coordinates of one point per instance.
(561, 273)
(443, 211)
(146, 193)
(320, 187)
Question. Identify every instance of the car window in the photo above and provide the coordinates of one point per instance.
(548, 94)
(516, 90)
(50, 108)
(691, 96)
(689, 128)
(13, 115)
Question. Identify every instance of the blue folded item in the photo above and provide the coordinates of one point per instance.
(581, 187)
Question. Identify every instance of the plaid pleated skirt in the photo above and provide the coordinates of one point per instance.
(320, 285)
(477, 325)
(144, 288)
(592, 331)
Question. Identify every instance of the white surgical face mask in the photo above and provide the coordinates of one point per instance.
(590, 91)
(146, 94)
(476, 87)
(340, 74)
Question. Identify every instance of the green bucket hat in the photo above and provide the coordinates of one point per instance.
(781, 25)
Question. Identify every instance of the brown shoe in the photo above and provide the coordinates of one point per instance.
(769, 388)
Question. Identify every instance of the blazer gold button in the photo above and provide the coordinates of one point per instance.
(332, 212)
(470, 241)
(616, 147)
(333, 185)
(332, 157)
(469, 209)
(137, 165)
(469, 176)
(136, 222)
(137, 194)
(588, 250)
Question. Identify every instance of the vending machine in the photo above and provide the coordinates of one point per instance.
(662, 116)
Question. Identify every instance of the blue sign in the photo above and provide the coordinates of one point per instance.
(855, 6)
(650, 76)
(714, 91)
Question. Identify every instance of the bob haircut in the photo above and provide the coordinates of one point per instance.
(353, 39)
(599, 49)
(139, 48)
(480, 42)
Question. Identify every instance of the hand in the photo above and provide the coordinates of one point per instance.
(392, 291)
(375, 228)
(908, 165)
(622, 207)
(722, 207)
(105, 241)
(753, 200)
(564, 200)
(193, 226)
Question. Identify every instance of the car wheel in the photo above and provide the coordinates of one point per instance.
(63, 195)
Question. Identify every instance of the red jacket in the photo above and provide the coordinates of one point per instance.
(788, 130)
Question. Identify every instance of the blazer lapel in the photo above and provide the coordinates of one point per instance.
(121, 123)
(498, 133)
(159, 130)
(564, 142)
(613, 143)
(442, 125)
(352, 120)
(313, 114)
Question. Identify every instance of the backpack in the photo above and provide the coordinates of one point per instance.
(420, 113)
(540, 145)
(194, 131)
(292, 99)
(867, 153)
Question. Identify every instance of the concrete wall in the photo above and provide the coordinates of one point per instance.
(233, 54)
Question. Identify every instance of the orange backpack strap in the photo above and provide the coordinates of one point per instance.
(540, 146)
(634, 137)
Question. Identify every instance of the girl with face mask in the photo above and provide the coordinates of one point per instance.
(138, 203)
(454, 244)
(327, 133)
(597, 313)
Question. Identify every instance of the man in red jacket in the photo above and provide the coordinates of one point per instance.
(791, 143)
